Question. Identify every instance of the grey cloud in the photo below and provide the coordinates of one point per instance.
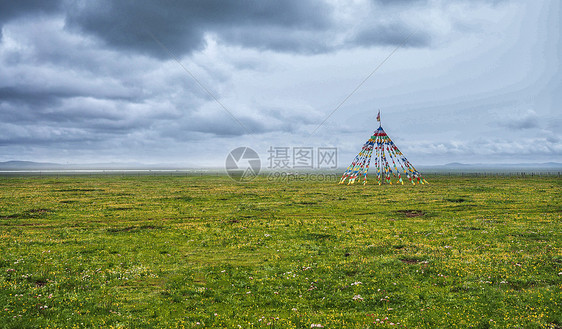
(75, 84)
(399, 2)
(87, 74)
(527, 120)
(525, 147)
(28, 96)
(90, 113)
(301, 115)
(10, 10)
(217, 123)
(182, 26)
(39, 134)
(221, 124)
(37, 96)
(88, 119)
(14, 9)
(393, 34)
(553, 139)
(279, 39)
(294, 26)
(415, 2)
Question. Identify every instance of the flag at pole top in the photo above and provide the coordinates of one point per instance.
(379, 116)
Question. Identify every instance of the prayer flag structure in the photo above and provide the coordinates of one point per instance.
(390, 163)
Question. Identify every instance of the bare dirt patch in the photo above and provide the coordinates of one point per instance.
(411, 213)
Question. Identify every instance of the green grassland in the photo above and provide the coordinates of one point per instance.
(194, 252)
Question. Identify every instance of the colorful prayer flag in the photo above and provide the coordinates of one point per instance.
(389, 161)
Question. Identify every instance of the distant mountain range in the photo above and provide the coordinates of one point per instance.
(502, 165)
(23, 165)
(455, 166)
(31, 165)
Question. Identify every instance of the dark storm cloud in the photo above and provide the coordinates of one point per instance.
(399, 2)
(33, 96)
(26, 96)
(182, 26)
(297, 26)
(300, 26)
(14, 9)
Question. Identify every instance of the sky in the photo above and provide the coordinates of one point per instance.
(186, 82)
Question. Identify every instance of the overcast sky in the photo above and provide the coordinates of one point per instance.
(185, 82)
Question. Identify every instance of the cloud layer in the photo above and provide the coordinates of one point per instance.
(148, 80)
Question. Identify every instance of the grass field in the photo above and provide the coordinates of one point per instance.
(175, 252)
